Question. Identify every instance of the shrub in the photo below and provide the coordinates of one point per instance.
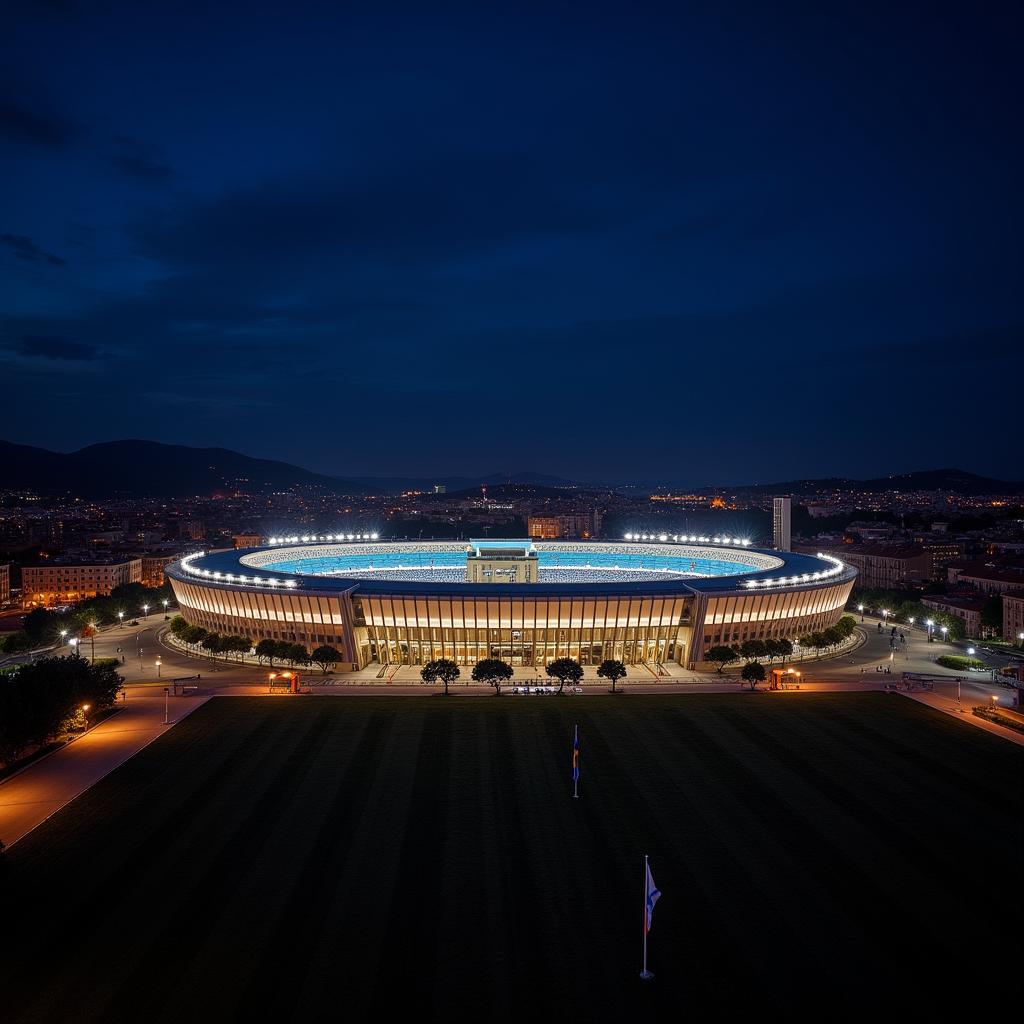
(959, 661)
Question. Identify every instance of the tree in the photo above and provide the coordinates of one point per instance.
(236, 643)
(325, 657)
(832, 636)
(565, 670)
(36, 700)
(16, 643)
(444, 669)
(721, 655)
(266, 649)
(751, 649)
(212, 643)
(41, 626)
(194, 636)
(296, 654)
(991, 619)
(612, 670)
(753, 672)
(784, 648)
(177, 626)
(493, 671)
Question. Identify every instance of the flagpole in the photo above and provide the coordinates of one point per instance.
(576, 766)
(645, 974)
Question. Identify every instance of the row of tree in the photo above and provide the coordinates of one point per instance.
(270, 651)
(39, 701)
(497, 673)
(901, 610)
(43, 626)
(753, 650)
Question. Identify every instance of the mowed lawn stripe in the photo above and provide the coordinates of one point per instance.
(442, 869)
(280, 969)
(211, 876)
(151, 864)
(941, 761)
(746, 889)
(410, 916)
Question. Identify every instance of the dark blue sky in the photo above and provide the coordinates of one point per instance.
(730, 243)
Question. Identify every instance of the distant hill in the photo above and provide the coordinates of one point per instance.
(956, 481)
(147, 468)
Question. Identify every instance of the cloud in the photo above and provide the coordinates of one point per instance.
(43, 346)
(25, 249)
(144, 169)
(38, 129)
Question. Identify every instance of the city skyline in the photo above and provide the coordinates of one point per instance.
(689, 246)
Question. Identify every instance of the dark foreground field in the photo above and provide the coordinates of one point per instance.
(338, 858)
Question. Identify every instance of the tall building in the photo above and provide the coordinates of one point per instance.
(55, 583)
(582, 525)
(5, 585)
(191, 529)
(1013, 617)
(440, 489)
(153, 568)
(781, 518)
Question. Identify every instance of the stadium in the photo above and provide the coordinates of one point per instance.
(646, 600)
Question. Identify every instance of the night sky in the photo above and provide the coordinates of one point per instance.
(733, 243)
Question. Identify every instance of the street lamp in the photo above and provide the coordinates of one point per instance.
(911, 620)
(120, 617)
(158, 663)
(1020, 637)
(73, 644)
(929, 623)
(860, 608)
(145, 611)
(85, 715)
(994, 699)
(970, 650)
(63, 636)
(164, 603)
(945, 630)
(166, 708)
(92, 642)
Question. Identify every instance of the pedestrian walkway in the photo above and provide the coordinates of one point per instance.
(29, 797)
(949, 706)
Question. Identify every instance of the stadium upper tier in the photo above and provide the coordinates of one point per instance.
(565, 568)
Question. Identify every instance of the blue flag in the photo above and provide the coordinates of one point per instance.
(653, 895)
(576, 755)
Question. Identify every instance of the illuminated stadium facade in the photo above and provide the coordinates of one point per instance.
(646, 600)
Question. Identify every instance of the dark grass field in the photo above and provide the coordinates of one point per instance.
(820, 856)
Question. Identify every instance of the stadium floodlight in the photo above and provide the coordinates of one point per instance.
(373, 536)
(663, 537)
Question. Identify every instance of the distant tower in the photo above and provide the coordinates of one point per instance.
(780, 523)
